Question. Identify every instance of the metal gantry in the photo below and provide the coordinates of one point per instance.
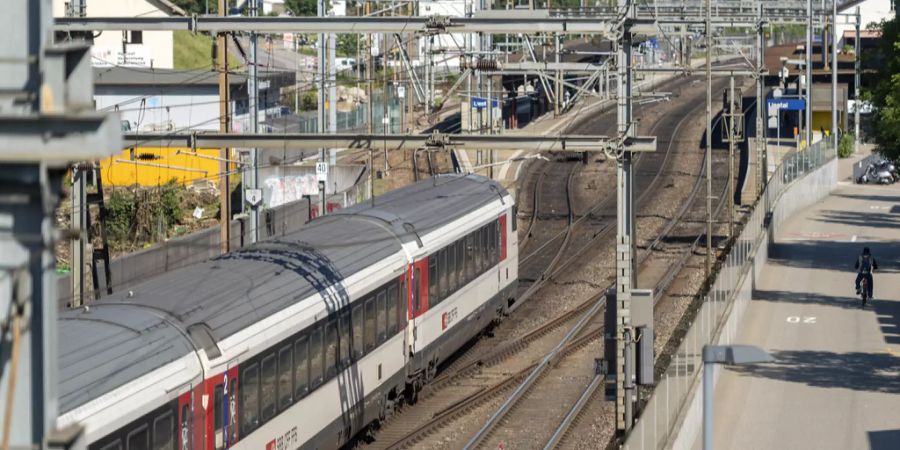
(40, 160)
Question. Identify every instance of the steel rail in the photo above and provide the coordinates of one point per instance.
(665, 281)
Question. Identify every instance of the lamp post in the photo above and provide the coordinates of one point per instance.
(730, 355)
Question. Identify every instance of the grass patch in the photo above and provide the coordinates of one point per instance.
(194, 51)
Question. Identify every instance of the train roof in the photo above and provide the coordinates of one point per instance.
(129, 334)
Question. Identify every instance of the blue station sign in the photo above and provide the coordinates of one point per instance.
(480, 103)
(786, 104)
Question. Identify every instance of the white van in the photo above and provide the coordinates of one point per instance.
(344, 64)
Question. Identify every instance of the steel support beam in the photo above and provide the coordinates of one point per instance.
(309, 141)
(432, 24)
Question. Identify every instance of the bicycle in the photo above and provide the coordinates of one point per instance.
(864, 291)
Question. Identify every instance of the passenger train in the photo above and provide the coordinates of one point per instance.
(299, 342)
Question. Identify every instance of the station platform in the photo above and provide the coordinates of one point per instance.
(835, 383)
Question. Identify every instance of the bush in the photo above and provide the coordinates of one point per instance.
(845, 146)
(170, 203)
(309, 101)
(120, 213)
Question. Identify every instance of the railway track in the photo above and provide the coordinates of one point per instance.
(512, 422)
(477, 377)
(675, 256)
(473, 380)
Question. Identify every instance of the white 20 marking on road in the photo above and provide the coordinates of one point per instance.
(804, 319)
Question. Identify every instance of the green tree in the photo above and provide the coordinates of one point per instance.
(304, 7)
(346, 44)
(885, 91)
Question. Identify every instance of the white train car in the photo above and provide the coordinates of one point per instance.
(299, 342)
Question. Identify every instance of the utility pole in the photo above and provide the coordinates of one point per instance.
(251, 181)
(323, 76)
(625, 274)
(834, 75)
(709, 211)
(856, 68)
(370, 107)
(80, 208)
(730, 116)
(558, 93)
(761, 127)
(224, 100)
(809, 83)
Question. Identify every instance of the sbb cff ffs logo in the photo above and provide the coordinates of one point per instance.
(448, 318)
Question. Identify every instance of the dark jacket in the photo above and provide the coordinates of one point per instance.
(861, 267)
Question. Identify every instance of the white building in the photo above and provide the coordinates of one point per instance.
(273, 6)
(871, 11)
(129, 48)
(164, 100)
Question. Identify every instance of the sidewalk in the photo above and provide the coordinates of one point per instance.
(836, 381)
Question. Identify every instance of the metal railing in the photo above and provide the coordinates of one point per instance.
(660, 417)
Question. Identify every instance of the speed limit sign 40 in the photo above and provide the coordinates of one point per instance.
(322, 171)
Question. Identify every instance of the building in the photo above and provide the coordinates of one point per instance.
(154, 100)
(273, 6)
(871, 11)
(129, 48)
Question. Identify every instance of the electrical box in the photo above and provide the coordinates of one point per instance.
(642, 307)
(645, 355)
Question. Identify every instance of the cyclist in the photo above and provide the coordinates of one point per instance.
(865, 264)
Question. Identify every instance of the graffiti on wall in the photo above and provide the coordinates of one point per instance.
(279, 190)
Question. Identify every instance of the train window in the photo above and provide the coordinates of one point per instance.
(344, 338)
(370, 324)
(403, 297)
(486, 238)
(218, 415)
(393, 301)
(164, 432)
(514, 217)
(139, 439)
(418, 297)
(267, 397)
(444, 270)
(433, 279)
(249, 399)
(285, 377)
(315, 358)
(451, 269)
(479, 251)
(301, 371)
(331, 349)
(381, 314)
(470, 257)
(461, 262)
(357, 318)
(492, 235)
(486, 247)
(114, 445)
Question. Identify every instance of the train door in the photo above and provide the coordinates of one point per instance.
(418, 305)
(221, 424)
(185, 420)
